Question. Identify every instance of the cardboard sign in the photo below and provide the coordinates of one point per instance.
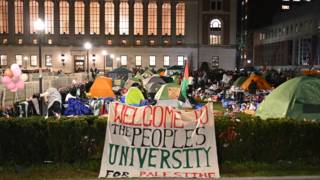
(159, 141)
(173, 92)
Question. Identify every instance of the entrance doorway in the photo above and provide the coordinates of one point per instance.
(79, 65)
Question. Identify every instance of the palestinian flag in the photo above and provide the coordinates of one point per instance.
(184, 86)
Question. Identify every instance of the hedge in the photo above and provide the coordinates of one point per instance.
(73, 140)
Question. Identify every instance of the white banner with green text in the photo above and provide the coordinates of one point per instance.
(159, 141)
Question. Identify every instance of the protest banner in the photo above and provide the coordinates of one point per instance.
(159, 141)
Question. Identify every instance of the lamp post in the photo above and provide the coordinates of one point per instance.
(104, 53)
(87, 46)
(39, 27)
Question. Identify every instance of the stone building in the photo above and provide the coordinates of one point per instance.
(129, 33)
(293, 40)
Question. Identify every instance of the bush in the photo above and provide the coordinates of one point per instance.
(73, 140)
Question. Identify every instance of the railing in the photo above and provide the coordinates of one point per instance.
(32, 86)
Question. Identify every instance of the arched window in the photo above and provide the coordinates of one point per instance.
(49, 16)
(79, 17)
(180, 19)
(215, 32)
(3, 16)
(152, 19)
(138, 18)
(18, 11)
(166, 19)
(94, 18)
(109, 18)
(124, 19)
(64, 17)
(33, 14)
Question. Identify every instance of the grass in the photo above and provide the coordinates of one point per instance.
(90, 171)
(217, 106)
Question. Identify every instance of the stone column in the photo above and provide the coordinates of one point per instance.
(26, 18)
(131, 19)
(56, 19)
(173, 21)
(11, 19)
(102, 25)
(87, 18)
(116, 17)
(145, 21)
(71, 18)
(159, 18)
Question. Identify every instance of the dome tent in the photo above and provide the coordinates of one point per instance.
(168, 95)
(101, 88)
(261, 83)
(298, 98)
(134, 96)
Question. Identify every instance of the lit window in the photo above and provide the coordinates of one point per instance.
(5, 41)
(19, 41)
(33, 14)
(79, 17)
(124, 18)
(3, 16)
(152, 61)
(180, 19)
(166, 42)
(152, 19)
(124, 60)
(152, 42)
(18, 9)
(109, 18)
(3, 60)
(215, 32)
(49, 16)
(19, 60)
(35, 41)
(124, 42)
(49, 41)
(285, 7)
(138, 18)
(166, 19)
(180, 60)
(166, 61)
(138, 42)
(64, 17)
(94, 18)
(138, 61)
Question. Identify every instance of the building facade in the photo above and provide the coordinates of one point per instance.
(256, 14)
(128, 33)
(292, 40)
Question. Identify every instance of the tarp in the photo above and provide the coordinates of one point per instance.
(134, 96)
(102, 88)
(153, 79)
(261, 83)
(298, 98)
(239, 81)
(168, 91)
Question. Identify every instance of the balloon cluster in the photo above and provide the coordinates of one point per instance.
(13, 78)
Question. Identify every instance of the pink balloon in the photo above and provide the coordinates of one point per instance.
(15, 79)
(16, 72)
(11, 85)
(6, 80)
(20, 84)
(14, 89)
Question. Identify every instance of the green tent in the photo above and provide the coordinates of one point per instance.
(168, 91)
(134, 96)
(298, 98)
(239, 81)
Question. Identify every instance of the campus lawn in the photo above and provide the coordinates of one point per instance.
(91, 170)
